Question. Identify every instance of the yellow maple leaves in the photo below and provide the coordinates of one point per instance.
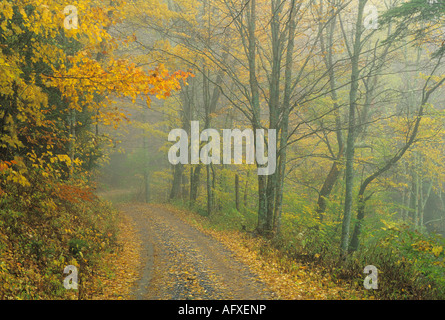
(6, 8)
(79, 63)
(117, 77)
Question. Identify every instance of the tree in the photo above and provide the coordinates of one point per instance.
(350, 142)
(432, 84)
(54, 78)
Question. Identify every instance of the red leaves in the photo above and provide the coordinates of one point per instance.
(4, 165)
(75, 194)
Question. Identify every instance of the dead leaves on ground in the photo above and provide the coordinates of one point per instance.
(121, 268)
(288, 278)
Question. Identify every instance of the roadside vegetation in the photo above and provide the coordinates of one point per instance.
(410, 264)
(47, 226)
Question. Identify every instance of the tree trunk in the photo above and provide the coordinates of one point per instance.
(146, 187)
(417, 193)
(358, 226)
(262, 204)
(424, 201)
(255, 104)
(274, 103)
(194, 183)
(281, 174)
(327, 187)
(350, 143)
(246, 189)
(335, 171)
(426, 94)
(237, 195)
(388, 165)
(284, 124)
(175, 192)
(209, 191)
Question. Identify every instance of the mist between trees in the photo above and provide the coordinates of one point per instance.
(355, 98)
(357, 110)
(356, 104)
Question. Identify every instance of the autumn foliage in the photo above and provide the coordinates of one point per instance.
(358, 112)
(359, 117)
(56, 85)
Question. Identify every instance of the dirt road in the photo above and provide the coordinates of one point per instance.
(180, 262)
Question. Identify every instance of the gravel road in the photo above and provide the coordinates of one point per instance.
(181, 263)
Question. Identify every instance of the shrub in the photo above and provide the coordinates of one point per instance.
(46, 226)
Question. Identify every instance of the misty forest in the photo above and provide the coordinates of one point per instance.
(98, 202)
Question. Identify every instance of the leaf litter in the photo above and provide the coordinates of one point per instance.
(193, 261)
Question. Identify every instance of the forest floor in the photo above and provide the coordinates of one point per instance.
(168, 253)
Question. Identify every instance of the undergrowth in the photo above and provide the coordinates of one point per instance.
(410, 263)
(45, 226)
